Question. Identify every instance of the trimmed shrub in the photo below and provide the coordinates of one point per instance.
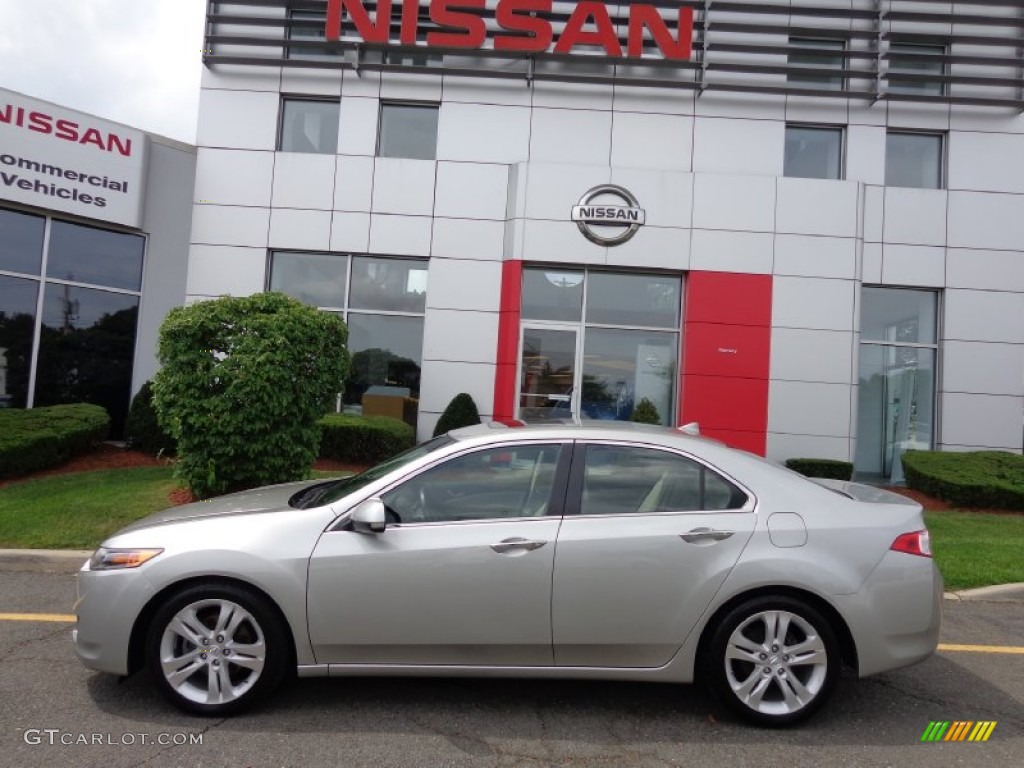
(988, 479)
(828, 468)
(363, 439)
(39, 438)
(646, 412)
(461, 412)
(243, 384)
(143, 430)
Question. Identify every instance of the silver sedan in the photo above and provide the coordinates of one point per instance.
(597, 550)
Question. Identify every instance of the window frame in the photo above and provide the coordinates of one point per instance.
(824, 127)
(942, 136)
(384, 104)
(577, 477)
(896, 47)
(285, 98)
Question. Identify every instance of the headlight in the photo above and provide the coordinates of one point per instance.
(109, 559)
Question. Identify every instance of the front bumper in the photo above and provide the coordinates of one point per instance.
(107, 604)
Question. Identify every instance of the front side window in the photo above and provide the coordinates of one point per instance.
(913, 160)
(309, 125)
(496, 483)
(621, 480)
(813, 53)
(813, 153)
(924, 65)
(408, 130)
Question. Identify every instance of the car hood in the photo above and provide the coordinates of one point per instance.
(267, 499)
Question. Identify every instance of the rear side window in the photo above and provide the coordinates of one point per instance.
(621, 479)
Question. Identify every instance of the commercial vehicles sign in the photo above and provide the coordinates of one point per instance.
(528, 26)
(63, 160)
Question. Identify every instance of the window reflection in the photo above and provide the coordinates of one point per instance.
(393, 285)
(21, 242)
(408, 130)
(386, 352)
(621, 368)
(86, 348)
(898, 315)
(643, 300)
(88, 255)
(17, 324)
(550, 294)
(314, 278)
(309, 126)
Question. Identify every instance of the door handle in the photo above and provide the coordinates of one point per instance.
(705, 534)
(509, 545)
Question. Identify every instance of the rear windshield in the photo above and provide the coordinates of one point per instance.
(332, 492)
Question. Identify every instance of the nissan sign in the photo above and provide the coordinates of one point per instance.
(608, 215)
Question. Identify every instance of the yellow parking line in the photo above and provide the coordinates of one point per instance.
(953, 648)
(64, 618)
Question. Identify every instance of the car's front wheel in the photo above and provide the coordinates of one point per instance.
(772, 660)
(216, 649)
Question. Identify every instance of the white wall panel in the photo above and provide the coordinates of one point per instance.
(982, 421)
(313, 82)
(724, 251)
(305, 230)
(443, 380)
(575, 136)
(865, 154)
(802, 355)
(723, 145)
(403, 186)
(917, 265)
(666, 197)
(570, 95)
(986, 161)
(464, 284)
(743, 203)
(471, 191)
(782, 447)
(350, 232)
(410, 87)
(460, 336)
(552, 190)
(871, 263)
(662, 142)
(468, 239)
(400, 235)
(802, 408)
(653, 248)
(238, 119)
(558, 241)
(992, 369)
(230, 225)
(991, 270)
(807, 256)
(483, 133)
(814, 303)
(873, 214)
(817, 207)
(357, 126)
(234, 177)
(915, 216)
(303, 180)
(353, 183)
(980, 220)
(984, 316)
(486, 90)
(664, 101)
(218, 270)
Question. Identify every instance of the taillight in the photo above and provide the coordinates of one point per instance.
(916, 543)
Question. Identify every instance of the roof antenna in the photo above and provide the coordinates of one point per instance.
(693, 428)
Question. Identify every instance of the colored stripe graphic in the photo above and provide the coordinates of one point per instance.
(982, 730)
(935, 731)
(958, 730)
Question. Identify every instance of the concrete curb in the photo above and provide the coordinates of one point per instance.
(997, 593)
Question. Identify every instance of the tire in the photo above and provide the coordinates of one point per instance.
(772, 661)
(216, 649)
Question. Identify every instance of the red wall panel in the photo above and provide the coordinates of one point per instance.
(508, 340)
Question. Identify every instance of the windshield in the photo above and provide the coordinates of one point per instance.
(331, 493)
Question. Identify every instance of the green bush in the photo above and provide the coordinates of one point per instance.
(646, 412)
(988, 479)
(143, 430)
(461, 412)
(828, 468)
(363, 439)
(39, 438)
(243, 384)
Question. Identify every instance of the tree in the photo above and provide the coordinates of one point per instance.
(646, 412)
(243, 383)
(461, 412)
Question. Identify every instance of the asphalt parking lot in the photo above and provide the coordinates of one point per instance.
(55, 712)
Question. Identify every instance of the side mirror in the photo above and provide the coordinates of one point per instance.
(369, 517)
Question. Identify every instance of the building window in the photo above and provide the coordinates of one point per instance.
(309, 125)
(408, 130)
(813, 153)
(307, 25)
(594, 344)
(817, 53)
(81, 347)
(917, 59)
(913, 160)
(413, 59)
(383, 301)
(896, 380)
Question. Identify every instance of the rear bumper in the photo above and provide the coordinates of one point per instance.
(896, 617)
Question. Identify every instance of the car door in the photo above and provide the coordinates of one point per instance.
(648, 537)
(462, 574)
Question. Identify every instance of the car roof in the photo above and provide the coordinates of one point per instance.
(573, 428)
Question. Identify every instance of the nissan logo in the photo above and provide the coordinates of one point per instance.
(604, 222)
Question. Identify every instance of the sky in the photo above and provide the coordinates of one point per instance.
(132, 61)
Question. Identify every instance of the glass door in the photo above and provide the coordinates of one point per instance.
(547, 373)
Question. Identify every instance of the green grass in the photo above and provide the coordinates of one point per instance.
(975, 549)
(78, 510)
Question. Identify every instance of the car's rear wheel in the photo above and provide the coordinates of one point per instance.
(772, 660)
(216, 649)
